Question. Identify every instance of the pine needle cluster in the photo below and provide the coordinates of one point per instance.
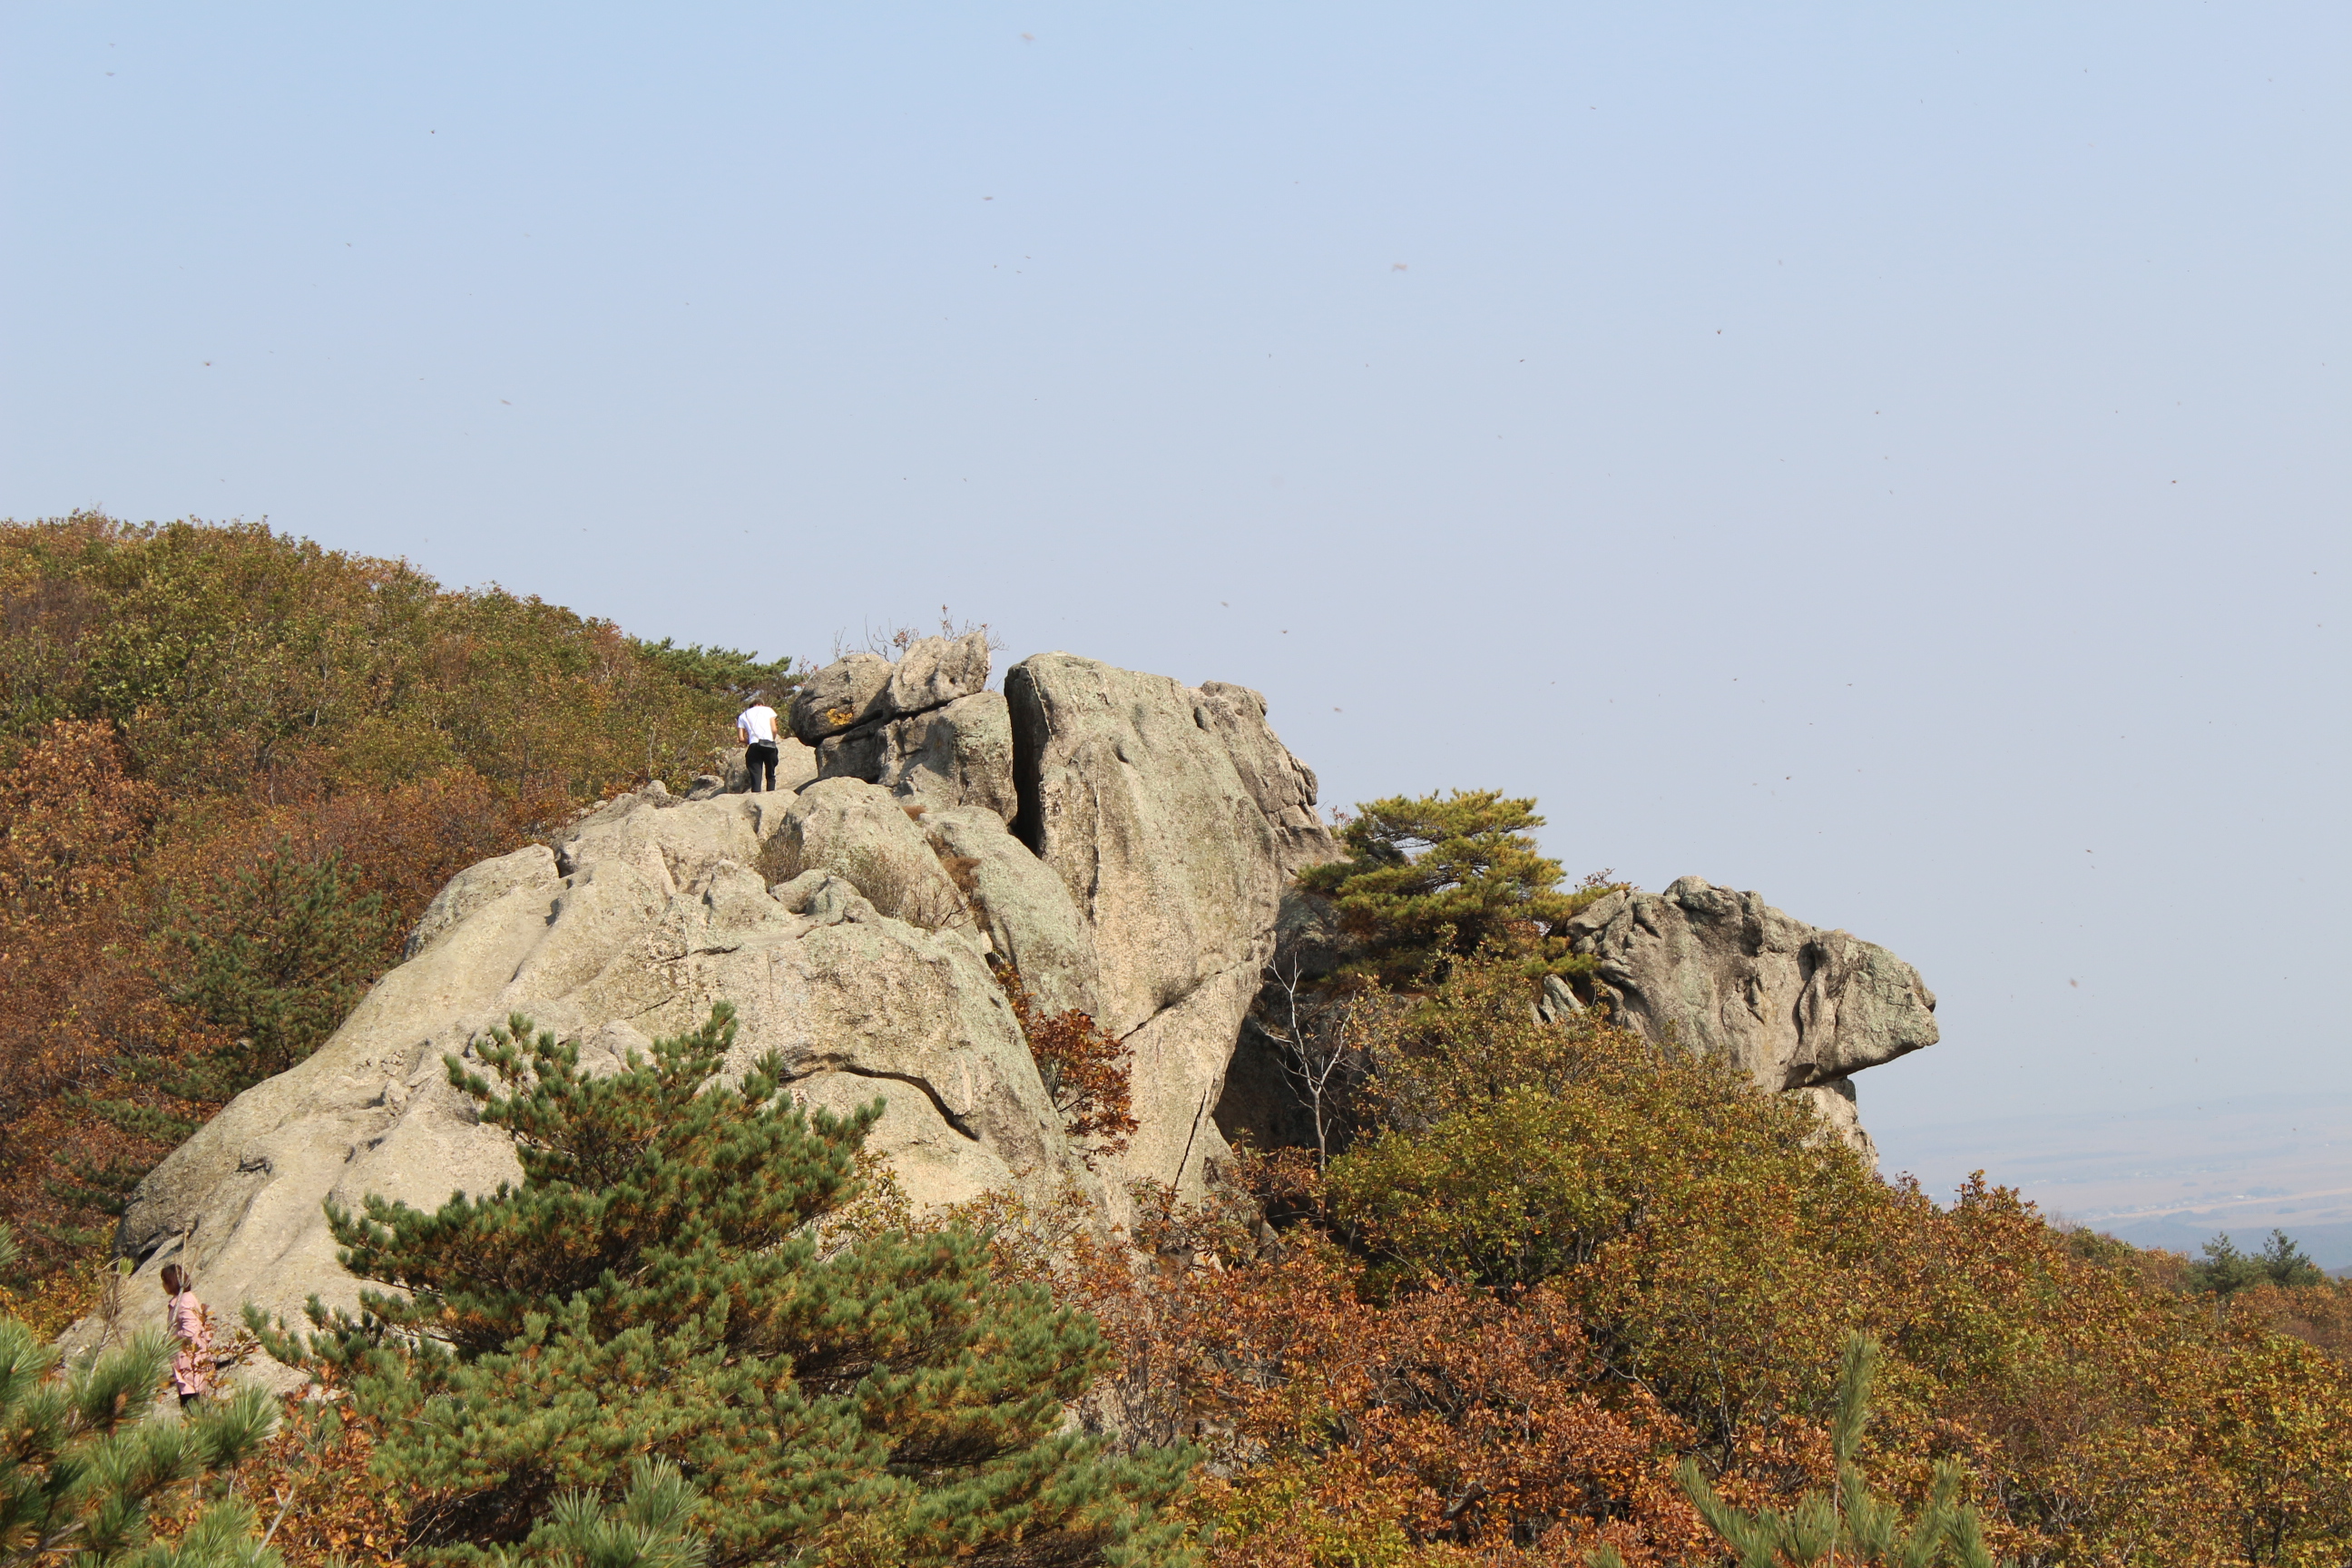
(1852, 1524)
(1439, 876)
(88, 1458)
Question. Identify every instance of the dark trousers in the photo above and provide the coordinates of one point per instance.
(760, 763)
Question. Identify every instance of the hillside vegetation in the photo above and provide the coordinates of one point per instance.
(233, 768)
(1536, 1292)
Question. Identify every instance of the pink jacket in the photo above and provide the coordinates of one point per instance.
(192, 1369)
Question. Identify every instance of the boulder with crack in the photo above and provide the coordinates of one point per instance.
(1160, 826)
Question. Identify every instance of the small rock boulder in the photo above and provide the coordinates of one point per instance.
(863, 834)
(959, 754)
(866, 689)
(844, 694)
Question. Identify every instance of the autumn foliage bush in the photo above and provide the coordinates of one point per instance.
(1555, 1262)
(1085, 1069)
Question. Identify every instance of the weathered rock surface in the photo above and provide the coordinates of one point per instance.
(1793, 1006)
(861, 832)
(1171, 818)
(864, 689)
(648, 913)
(1023, 906)
(844, 694)
(1176, 820)
(795, 765)
(957, 754)
(1127, 842)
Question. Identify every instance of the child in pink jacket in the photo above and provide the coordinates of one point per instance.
(192, 1369)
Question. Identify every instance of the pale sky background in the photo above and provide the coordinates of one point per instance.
(1893, 458)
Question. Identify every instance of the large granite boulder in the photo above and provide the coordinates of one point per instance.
(1795, 1007)
(924, 728)
(843, 694)
(959, 753)
(1023, 906)
(1176, 820)
(866, 689)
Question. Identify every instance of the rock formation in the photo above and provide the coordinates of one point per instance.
(1156, 828)
(1127, 842)
(1795, 1007)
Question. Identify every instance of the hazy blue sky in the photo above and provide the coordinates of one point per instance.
(1893, 458)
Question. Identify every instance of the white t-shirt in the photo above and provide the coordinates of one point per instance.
(759, 721)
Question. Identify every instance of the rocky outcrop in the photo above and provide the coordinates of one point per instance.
(853, 925)
(1795, 1007)
(1176, 821)
(647, 914)
(924, 728)
(957, 754)
(1023, 906)
(1127, 843)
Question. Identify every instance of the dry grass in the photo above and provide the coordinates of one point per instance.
(781, 859)
(907, 892)
(894, 886)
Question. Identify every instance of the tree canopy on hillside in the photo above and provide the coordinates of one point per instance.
(233, 768)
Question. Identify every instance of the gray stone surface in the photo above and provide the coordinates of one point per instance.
(934, 671)
(1022, 908)
(844, 694)
(864, 689)
(1283, 787)
(1834, 1103)
(649, 913)
(484, 882)
(957, 754)
(1175, 820)
(851, 754)
(1792, 1005)
(795, 763)
(861, 832)
(1556, 1002)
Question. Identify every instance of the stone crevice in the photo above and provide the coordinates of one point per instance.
(955, 1120)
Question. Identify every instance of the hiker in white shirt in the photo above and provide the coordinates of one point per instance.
(756, 728)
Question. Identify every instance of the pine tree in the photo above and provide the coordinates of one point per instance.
(654, 1291)
(1852, 1525)
(1442, 876)
(278, 951)
(2225, 1270)
(85, 1458)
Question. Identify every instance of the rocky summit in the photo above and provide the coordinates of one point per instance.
(1127, 842)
